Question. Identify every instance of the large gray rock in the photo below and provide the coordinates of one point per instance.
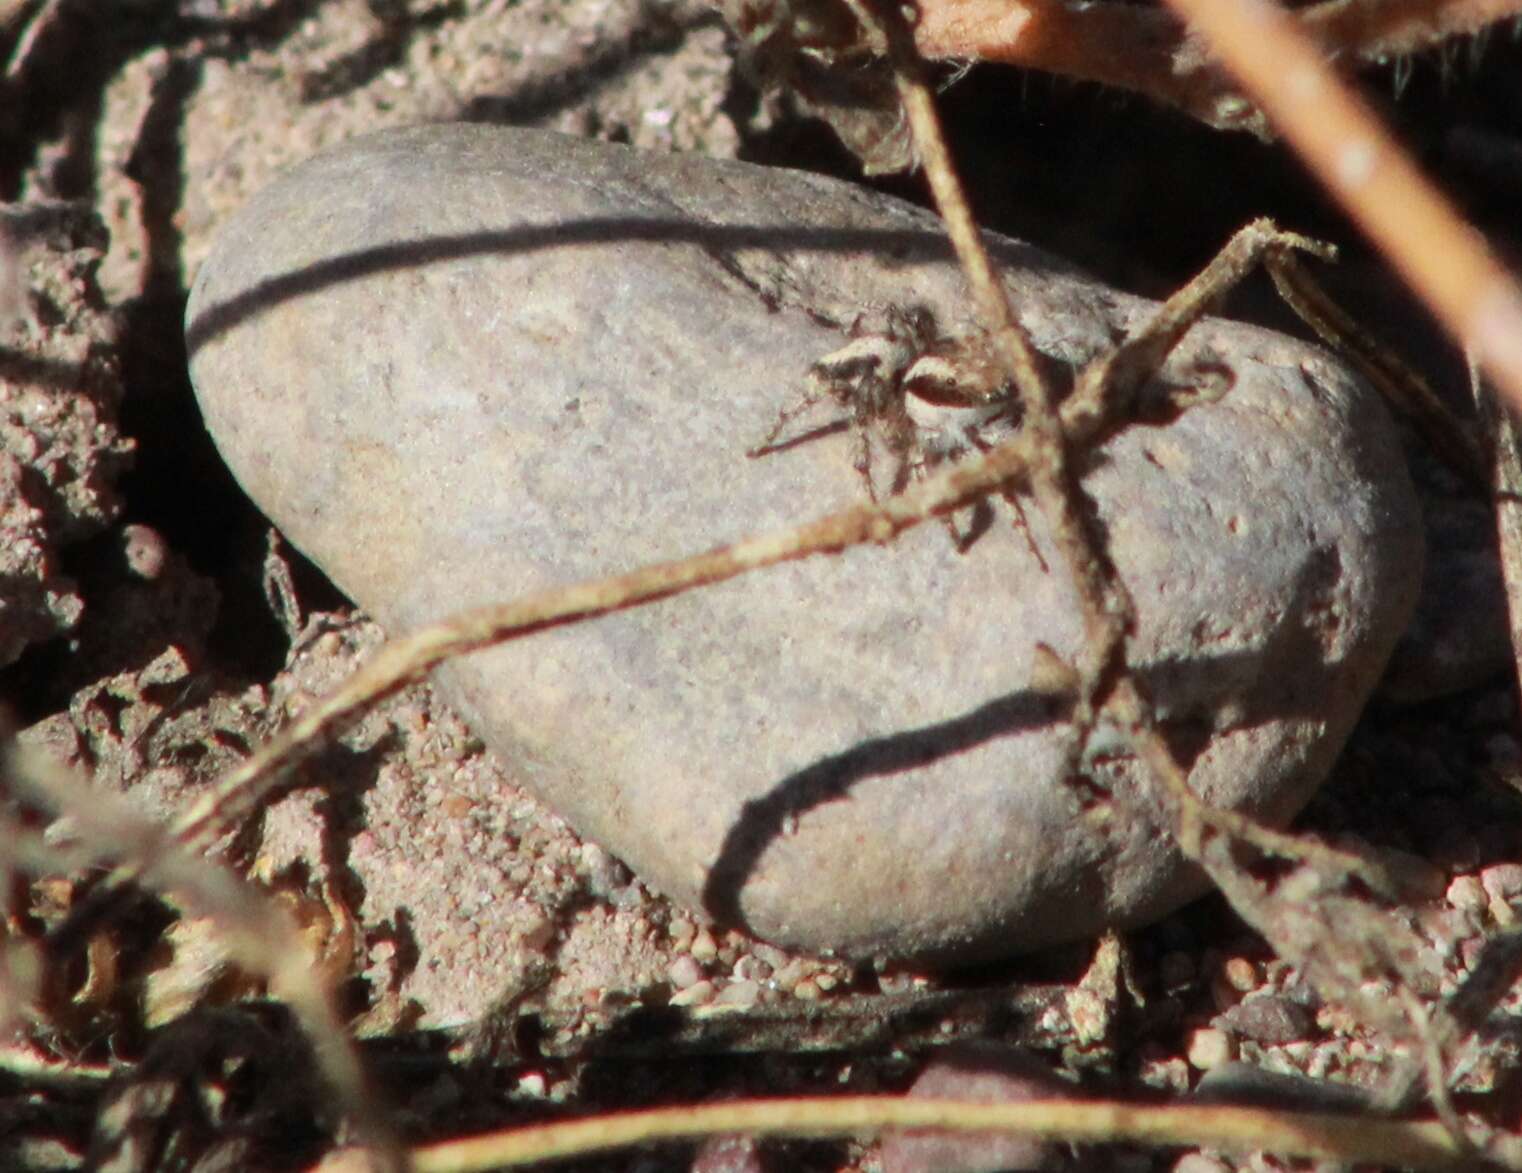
(459, 363)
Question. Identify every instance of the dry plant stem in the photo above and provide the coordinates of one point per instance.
(40, 24)
(1445, 262)
(410, 657)
(1374, 31)
(1406, 390)
(1415, 1145)
(1504, 459)
(1112, 382)
(1108, 614)
(1147, 51)
(22, 1061)
(1433, 1067)
(1106, 388)
(1125, 46)
(256, 934)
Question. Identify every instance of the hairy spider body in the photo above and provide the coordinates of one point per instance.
(923, 397)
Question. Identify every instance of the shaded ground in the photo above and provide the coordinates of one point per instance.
(154, 632)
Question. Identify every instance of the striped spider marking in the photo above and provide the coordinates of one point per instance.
(924, 397)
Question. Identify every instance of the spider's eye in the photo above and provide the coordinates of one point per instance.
(943, 383)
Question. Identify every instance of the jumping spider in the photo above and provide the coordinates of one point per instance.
(924, 397)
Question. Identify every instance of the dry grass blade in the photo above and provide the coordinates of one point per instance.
(1412, 1145)
(41, 22)
(254, 930)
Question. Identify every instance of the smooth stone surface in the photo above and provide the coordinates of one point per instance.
(460, 363)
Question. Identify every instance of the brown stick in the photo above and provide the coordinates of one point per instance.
(1446, 262)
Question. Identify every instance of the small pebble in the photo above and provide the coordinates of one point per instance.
(533, 1084)
(1269, 1019)
(146, 551)
(681, 931)
(1209, 1048)
(1243, 1083)
(605, 874)
(1167, 1075)
(1240, 974)
(1466, 894)
(1502, 881)
(729, 1154)
(697, 994)
(1201, 1163)
(791, 973)
(537, 935)
(740, 995)
(984, 1074)
(684, 972)
(752, 969)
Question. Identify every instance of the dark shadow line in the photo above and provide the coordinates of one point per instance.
(156, 164)
(761, 820)
(537, 99)
(18, 367)
(833, 428)
(902, 245)
(357, 68)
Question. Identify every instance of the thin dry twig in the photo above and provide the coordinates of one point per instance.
(41, 24)
(1412, 1145)
(1341, 943)
(1504, 465)
(1403, 387)
(1445, 262)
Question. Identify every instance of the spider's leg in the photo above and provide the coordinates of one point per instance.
(863, 460)
(907, 470)
(805, 401)
(976, 440)
(978, 524)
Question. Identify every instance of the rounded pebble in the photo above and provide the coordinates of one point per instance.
(1209, 1048)
(458, 364)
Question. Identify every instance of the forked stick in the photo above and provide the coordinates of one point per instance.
(1445, 261)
